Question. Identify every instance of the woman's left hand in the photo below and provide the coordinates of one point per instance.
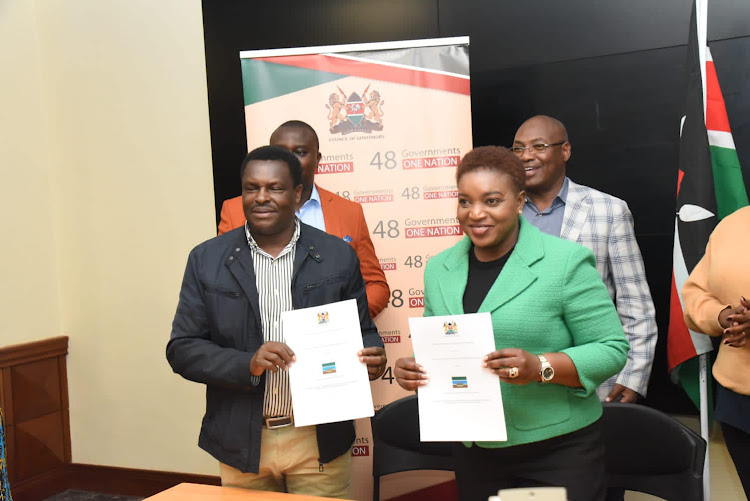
(737, 323)
(513, 365)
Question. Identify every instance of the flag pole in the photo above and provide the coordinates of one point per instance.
(703, 375)
(701, 7)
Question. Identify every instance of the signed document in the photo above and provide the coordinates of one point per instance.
(328, 382)
(462, 401)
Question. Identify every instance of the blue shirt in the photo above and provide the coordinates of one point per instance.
(311, 211)
(549, 220)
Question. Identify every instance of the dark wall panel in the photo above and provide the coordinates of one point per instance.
(622, 113)
(613, 72)
(508, 34)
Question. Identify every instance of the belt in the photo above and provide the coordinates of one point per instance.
(278, 422)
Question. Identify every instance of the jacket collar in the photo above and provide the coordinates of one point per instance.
(307, 246)
(516, 276)
(240, 264)
(330, 217)
(240, 260)
(577, 208)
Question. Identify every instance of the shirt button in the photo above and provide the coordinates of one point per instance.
(237, 249)
(231, 258)
(311, 247)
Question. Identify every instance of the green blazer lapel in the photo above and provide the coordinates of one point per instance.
(457, 264)
(517, 274)
(240, 264)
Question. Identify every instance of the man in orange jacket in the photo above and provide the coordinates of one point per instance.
(322, 209)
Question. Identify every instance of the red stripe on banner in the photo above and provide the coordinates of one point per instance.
(680, 175)
(716, 113)
(680, 345)
(372, 69)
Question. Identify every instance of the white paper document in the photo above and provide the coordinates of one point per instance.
(328, 382)
(462, 401)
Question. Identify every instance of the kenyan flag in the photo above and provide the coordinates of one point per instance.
(709, 187)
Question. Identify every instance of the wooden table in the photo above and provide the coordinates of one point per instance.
(201, 492)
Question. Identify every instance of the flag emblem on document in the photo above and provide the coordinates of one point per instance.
(322, 317)
(329, 368)
(460, 382)
(450, 328)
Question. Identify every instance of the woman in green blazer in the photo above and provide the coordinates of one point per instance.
(557, 336)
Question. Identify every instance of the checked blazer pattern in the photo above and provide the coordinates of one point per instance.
(604, 224)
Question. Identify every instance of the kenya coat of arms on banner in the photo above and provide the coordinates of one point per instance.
(356, 113)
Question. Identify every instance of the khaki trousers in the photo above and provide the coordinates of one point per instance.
(289, 463)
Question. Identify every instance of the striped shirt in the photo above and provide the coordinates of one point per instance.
(273, 279)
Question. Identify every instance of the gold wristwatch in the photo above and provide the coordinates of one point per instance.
(546, 372)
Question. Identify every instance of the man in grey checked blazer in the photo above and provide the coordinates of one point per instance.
(604, 224)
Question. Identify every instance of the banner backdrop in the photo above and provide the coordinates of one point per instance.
(393, 119)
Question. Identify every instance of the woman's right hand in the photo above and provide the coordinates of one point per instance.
(736, 324)
(409, 374)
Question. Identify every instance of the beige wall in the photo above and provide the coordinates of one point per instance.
(126, 86)
(29, 292)
(106, 184)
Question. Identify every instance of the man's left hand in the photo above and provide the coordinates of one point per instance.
(374, 357)
(627, 396)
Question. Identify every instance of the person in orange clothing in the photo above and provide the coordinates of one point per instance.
(715, 302)
(323, 210)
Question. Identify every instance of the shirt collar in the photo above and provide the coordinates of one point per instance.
(562, 195)
(254, 246)
(314, 197)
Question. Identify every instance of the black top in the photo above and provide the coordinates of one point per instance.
(482, 274)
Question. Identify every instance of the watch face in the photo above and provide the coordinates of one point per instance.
(548, 373)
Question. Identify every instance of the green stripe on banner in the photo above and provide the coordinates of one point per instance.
(262, 80)
(728, 183)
